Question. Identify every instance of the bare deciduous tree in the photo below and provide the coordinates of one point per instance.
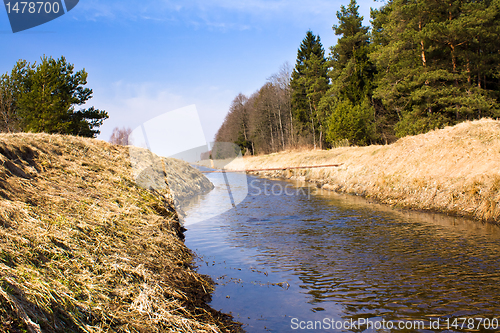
(120, 136)
(281, 83)
(8, 119)
(262, 123)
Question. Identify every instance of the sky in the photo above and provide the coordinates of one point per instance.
(145, 58)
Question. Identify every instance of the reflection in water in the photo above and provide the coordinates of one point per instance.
(325, 255)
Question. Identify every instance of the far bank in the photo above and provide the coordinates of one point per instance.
(455, 170)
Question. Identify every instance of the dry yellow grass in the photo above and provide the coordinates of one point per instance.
(84, 249)
(454, 170)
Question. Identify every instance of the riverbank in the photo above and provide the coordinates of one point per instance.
(84, 249)
(455, 170)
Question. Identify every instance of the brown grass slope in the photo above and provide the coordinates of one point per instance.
(84, 249)
(454, 170)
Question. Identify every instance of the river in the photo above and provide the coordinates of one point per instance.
(291, 255)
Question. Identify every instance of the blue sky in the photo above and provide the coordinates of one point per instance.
(145, 58)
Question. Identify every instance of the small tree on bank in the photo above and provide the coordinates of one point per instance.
(120, 136)
(353, 122)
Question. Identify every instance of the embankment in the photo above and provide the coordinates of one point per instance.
(455, 170)
(83, 248)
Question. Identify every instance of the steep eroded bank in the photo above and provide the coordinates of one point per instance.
(84, 249)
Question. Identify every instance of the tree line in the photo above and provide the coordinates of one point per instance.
(262, 122)
(420, 65)
(42, 98)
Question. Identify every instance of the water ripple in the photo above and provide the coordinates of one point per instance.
(347, 258)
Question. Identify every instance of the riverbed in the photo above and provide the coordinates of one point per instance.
(291, 253)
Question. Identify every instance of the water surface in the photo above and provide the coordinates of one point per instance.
(310, 254)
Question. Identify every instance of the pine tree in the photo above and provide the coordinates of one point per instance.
(351, 76)
(434, 59)
(309, 83)
(352, 73)
(11, 87)
(46, 96)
